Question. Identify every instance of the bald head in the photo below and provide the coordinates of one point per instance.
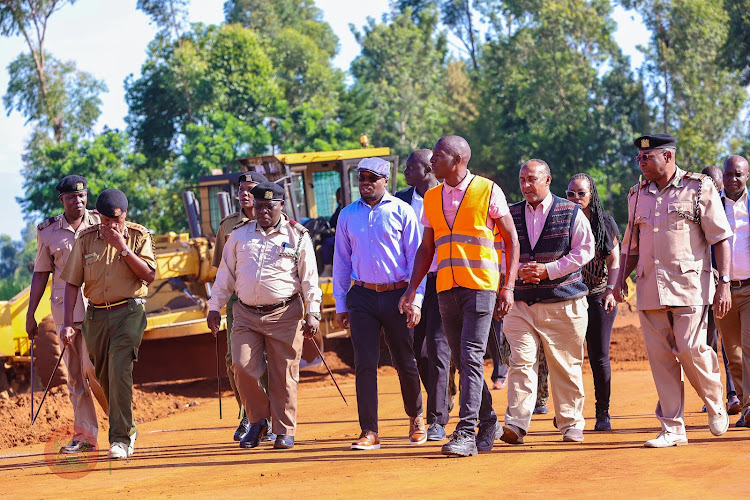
(456, 146)
(735, 176)
(420, 157)
(418, 170)
(540, 163)
(716, 175)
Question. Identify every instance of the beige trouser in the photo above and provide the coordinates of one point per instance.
(560, 327)
(676, 337)
(735, 336)
(279, 334)
(76, 357)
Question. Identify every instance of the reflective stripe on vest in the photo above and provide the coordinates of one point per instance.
(467, 253)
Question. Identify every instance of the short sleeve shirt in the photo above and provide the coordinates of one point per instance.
(105, 275)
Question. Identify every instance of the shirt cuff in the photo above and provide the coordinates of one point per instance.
(341, 305)
(313, 307)
(553, 270)
(418, 299)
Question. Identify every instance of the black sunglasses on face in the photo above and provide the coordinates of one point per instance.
(368, 178)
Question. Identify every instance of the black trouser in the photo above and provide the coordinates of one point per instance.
(369, 311)
(433, 355)
(598, 336)
(499, 369)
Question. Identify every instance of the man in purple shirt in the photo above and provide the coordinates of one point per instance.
(376, 241)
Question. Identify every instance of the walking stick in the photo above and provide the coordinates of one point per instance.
(630, 234)
(494, 336)
(218, 377)
(32, 380)
(329, 371)
(48, 383)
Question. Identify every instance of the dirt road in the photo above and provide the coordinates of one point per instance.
(190, 454)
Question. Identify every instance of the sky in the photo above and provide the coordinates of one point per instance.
(109, 40)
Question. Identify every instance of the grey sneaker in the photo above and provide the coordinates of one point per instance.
(573, 436)
(718, 424)
(461, 444)
(435, 432)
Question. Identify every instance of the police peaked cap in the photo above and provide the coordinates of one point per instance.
(255, 177)
(655, 141)
(112, 203)
(268, 191)
(71, 184)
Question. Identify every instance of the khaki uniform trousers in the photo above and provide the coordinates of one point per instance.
(735, 336)
(278, 334)
(112, 339)
(76, 357)
(560, 328)
(676, 337)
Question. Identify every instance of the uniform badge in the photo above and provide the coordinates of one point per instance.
(79, 186)
(268, 195)
(644, 143)
(117, 212)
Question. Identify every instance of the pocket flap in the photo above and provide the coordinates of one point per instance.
(691, 265)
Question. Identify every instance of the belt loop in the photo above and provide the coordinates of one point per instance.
(90, 312)
(131, 302)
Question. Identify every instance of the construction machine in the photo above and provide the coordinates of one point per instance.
(177, 343)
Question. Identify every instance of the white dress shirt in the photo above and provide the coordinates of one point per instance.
(739, 221)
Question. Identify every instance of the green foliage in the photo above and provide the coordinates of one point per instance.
(107, 161)
(736, 50)
(169, 15)
(399, 76)
(70, 105)
(17, 262)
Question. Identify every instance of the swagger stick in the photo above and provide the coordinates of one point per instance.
(630, 237)
(32, 380)
(218, 377)
(312, 341)
(49, 383)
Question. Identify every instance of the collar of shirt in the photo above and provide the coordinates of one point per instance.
(676, 181)
(728, 202)
(283, 221)
(461, 186)
(545, 204)
(64, 224)
(387, 197)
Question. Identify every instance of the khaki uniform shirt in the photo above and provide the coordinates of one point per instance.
(674, 252)
(226, 226)
(54, 241)
(265, 269)
(107, 277)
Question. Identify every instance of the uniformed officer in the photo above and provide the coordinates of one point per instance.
(270, 264)
(246, 183)
(54, 240)
(115, 261)
(675, 217)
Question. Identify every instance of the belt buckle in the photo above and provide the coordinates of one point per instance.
(381, 288)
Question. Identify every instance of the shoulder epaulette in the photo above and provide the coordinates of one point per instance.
(48, 222)
(90, 229)
(695, 176)
(299, 227)
(641, 184)
(242, 223)
(228, 217)
(137, 227)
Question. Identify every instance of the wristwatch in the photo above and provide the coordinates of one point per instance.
(316, 316)
(125, 252)
(725, 278)
(610, 287)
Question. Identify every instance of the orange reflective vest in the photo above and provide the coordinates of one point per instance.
(468, 254)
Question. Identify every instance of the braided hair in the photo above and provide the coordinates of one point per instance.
(598, 226)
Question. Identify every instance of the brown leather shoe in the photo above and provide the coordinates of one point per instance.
(417, 431)
(368, 440)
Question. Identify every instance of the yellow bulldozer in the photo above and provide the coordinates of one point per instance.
(177, 343)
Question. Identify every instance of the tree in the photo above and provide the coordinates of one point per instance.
(17, 262)
(107, 161)
(400, 75)
(70, 105)
(736, 50)
(29, 18)
(700, 99)
(169, 15)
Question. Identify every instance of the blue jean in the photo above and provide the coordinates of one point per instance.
(467, 315)
(369, 312)
(433, 355)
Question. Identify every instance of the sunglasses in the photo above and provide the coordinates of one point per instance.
(646, 156)
(571, 194)
(368, 177)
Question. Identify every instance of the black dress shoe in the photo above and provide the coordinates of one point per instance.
(461, 444)
(254, 435)
(242, 429)
(270, 436)
(486, 436)
(284, 442)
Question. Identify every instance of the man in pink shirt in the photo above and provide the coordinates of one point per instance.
(550, 305)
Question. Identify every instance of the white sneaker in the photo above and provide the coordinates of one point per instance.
(666, 439)
(118, 451)
(131, 446)
(718, 424)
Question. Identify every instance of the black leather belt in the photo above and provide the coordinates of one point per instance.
(270, 307)
(740, 283)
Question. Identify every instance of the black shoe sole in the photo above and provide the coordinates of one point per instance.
(455, 454)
